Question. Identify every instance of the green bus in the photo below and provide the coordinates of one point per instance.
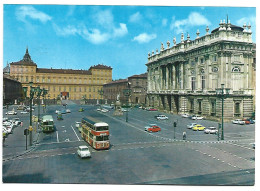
(47, 124)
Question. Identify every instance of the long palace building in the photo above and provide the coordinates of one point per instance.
(184, 78)
(64, 83)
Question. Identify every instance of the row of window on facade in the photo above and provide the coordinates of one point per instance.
(48, 80)
(213, 108)
(75, 89)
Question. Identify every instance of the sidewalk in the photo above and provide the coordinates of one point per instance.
(15, 144)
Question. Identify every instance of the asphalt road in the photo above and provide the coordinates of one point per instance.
(135, 156)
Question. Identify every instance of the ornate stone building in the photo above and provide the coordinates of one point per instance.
(66, 83)
(137, 85)
(183, 78)
(12, 90)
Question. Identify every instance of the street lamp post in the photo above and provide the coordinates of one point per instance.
(26, 130)
(32, 92)
(222, 93)
(127, 93)
(39, 92)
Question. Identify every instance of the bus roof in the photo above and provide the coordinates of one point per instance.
(47, 118)
(94, 121)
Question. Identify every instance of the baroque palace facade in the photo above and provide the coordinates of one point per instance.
(184, 78)
(63, 83)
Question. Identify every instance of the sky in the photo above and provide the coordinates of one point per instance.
(80, 36)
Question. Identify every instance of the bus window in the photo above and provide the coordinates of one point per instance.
(102, 128)
(102, 138)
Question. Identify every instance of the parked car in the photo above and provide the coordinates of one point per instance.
(197, 117)
(83, 151)
(239, 122)
(248, 121)
(98, 109)
(20, 107)
(198, 128)
(57, 111)
(123, 109)
(104, 110)
(152, 128)
(11, 112)
(24, 112)
(161, 117)
(190, 126)
(68, 111)
(17, 121)
(211, 130)
(63, 111)
(152, 109)
(185, 115)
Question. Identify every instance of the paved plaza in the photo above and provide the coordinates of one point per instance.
(135, 156)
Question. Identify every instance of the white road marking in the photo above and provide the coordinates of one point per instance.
(75, 133)
(57, 137)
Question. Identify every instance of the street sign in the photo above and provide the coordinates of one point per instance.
(26, 132)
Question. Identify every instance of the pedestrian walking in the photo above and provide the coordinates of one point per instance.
(184, 135)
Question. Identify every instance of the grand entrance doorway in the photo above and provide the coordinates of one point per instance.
(64, 95)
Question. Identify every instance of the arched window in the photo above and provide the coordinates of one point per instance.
(215, 69)
(236, 69)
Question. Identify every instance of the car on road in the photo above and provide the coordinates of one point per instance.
(185, 115)
(63, 111)
(211, 130)
(98, 109)
(11, 112)
(17, 121)
(161, 117)
(81, 109)
(190, 126)
(24, 112)
(83, 151)
(152, 128)
(198, 128)
(197, 117)
(239, 122)
(59, 116)
(68, 111)
(57, 111)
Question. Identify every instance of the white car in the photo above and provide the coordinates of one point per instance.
(83, 151)
(68, 111)
(17, 121)
(211, 130)
(197, 117)
(24, 112)
(98, 109)
(77, 124)
(161, 117)
(123, 110)
(238, 121)
(57, 111)
(190, 126)
(185, 115)
(104, 110)
(8, 129)
(5, 118)
(11, 112)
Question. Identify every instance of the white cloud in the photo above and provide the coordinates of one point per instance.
(144, 38)
(164, 22)
(104, 18)
(119, 32)
(250, 19)
(194, 19)
(135, 18)
(29, 11)
(66, 31)
(95, 36)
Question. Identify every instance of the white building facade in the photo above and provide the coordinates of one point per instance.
(183, 78)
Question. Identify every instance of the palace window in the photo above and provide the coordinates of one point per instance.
(236, 69)
(53, 88)
(31, 79)
(49, 80)
(202, 61)
(26, 78)
(215, 58)
(213, 108)
(75, 89)
(202, 82)
(237, 109)
(192, 83)
(89, 89)
(199, 102)
(43, 79)
(191, 106)
(37, 79)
